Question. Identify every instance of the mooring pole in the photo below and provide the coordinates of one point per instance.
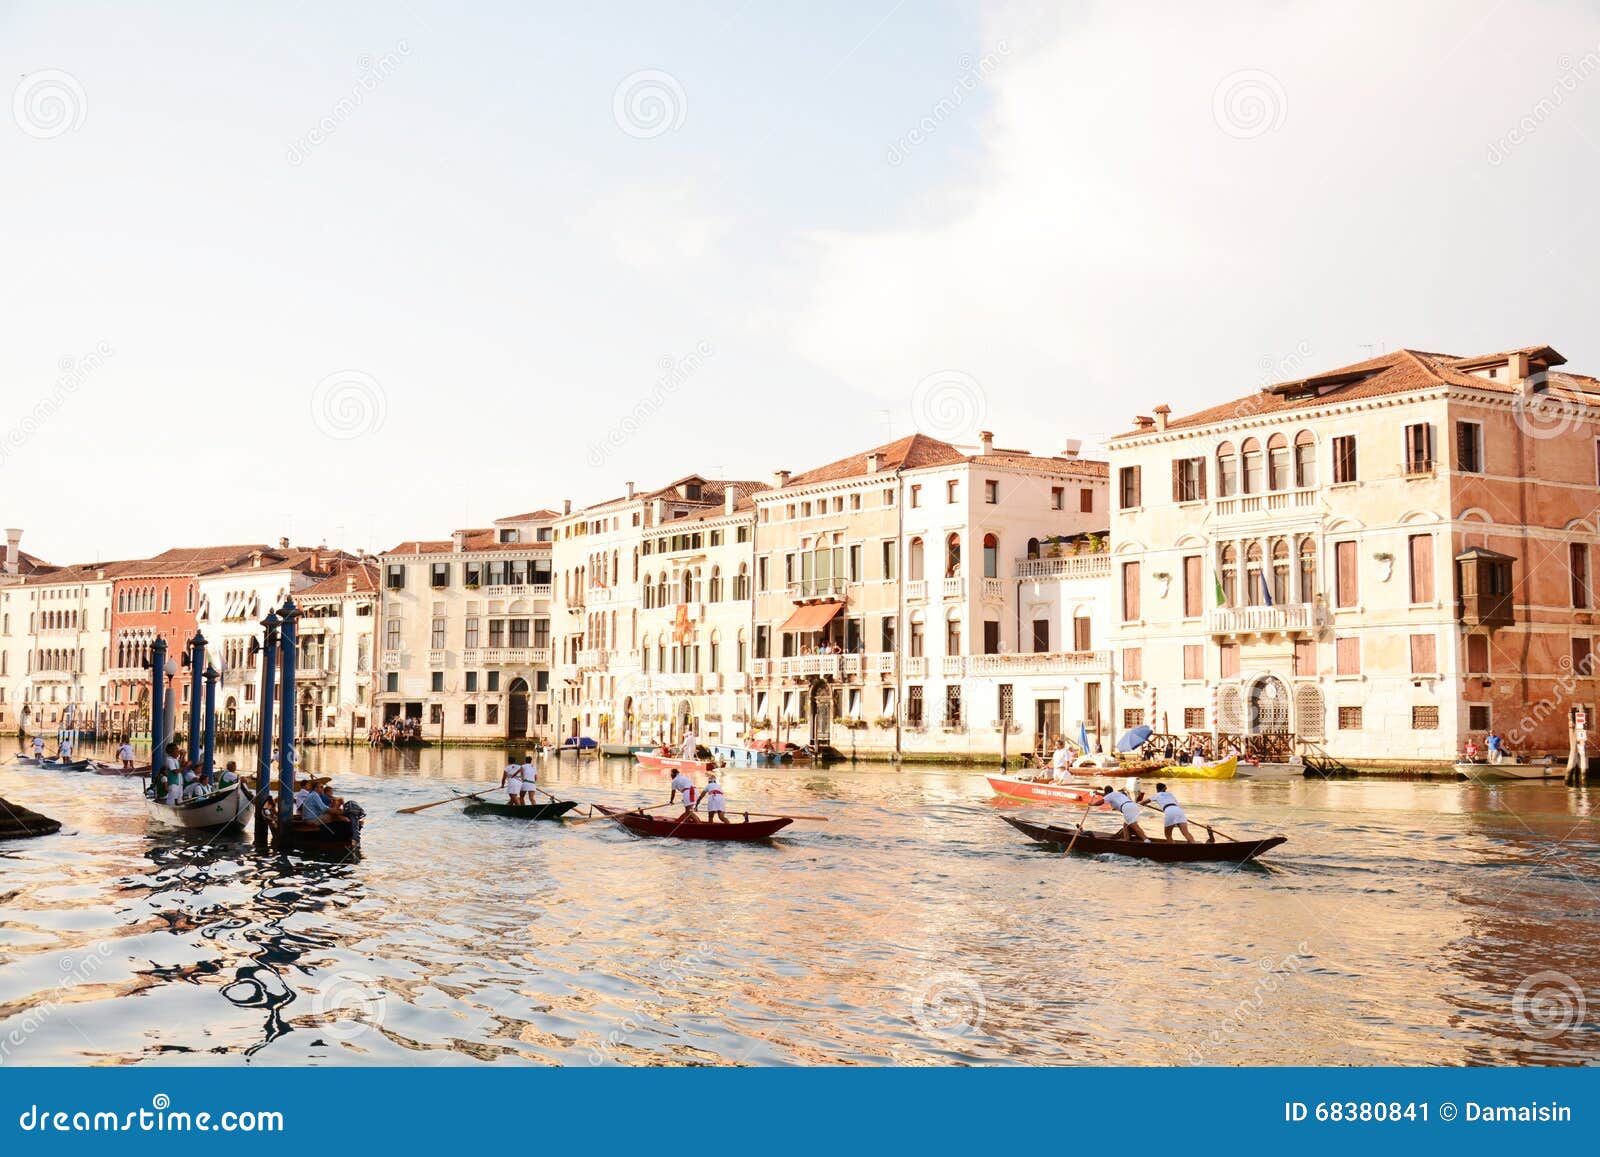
(287, 614)
(158, 715)
(197, 663)
(211, 722)
(269, 687)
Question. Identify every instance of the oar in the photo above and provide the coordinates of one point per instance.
(771, 816)
(1073, 842)
(405, 811)
(1214, 832)
(618, 815)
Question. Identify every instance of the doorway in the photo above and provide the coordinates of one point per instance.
(517, 713)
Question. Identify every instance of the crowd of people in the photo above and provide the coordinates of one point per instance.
(394, 732)
(178, 778)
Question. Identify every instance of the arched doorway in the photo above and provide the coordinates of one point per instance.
(685, 719)
(821, 714)
(230, 715)
(1269, 707)
(627, 719)
(517, 710)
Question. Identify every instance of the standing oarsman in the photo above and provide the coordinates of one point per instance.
(683, 788)
(1172, 814)
(1122, 802)
(716, 804)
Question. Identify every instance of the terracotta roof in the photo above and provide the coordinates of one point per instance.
(910, 453)
(478, 539)
(79, 572)
(365, 575)
(1089, 467)
(711, 490)
(742, 504)
(531, 516)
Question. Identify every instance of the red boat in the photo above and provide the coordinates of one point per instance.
(1035, 791)
(650, 761)
(742, 831)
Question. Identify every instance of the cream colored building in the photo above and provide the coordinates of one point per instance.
(337, 637)
(1403, 549)
(55, 639)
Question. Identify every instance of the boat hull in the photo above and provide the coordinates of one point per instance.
(329, 834)
(1162, 851)
(1222, 769)
(735, 831)
(538, 811)
(1015, 787)
(673, 763)
(1502, 772)
(225, 809)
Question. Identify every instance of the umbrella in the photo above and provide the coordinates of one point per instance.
(1134, 739)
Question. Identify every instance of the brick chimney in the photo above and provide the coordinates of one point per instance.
(458, 539)
(874, 460)
(1073, 448)
(349, 584)
(283, 544)
(630, 489)
(1144, 422)
(1517, 373)
(1162, 412)
(566, 506)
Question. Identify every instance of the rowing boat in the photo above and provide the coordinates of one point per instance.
(223, 809)
(58, 765)
(743, 831)
(100, 768)
(756, 756)
(1087, 843)
(1222, 769)
(327, 834)
(1042, 791)
(1499, 772)
(515, 811)
(652, 762)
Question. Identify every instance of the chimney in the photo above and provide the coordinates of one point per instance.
(283, 544)
(873, 461)
(349, 584)
(1517, 372)
(458, 539)
(986, 440)
(1163, 412)
(1073, 448)
(630, 489)
(1144, 422)
(566, 506)
(730, 499)
(13, 551)
(658, 511)
(780, 478)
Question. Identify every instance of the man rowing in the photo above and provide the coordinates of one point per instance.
(716, 804)
(1172, 814)
(64, 748)
(683, 788)
(511, 781)
(38, 747)
(125, 754)
(1122, 802)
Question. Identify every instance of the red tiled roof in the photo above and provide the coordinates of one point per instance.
(531, 516)
(1088, 467)
(910, 453)
(711, 491)
(478, 539)
(365, 575)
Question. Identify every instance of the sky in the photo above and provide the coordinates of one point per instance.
(370, 272)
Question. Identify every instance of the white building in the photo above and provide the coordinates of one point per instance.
(335, 671)
(55, 636)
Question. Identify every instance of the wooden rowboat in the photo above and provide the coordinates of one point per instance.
(742, 831)
(1042, 791)
(55, 764)
(534, 811)
(652, 762)
(17, 822)
(227, 808)
(1500, 772)
(135, 772)
(328, 834)
(1162, 851)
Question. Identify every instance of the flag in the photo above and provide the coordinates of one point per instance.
(1222, 599)
(1266, 589)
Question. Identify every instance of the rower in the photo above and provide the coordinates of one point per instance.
(511, 780)
(64, 748)
(1061, 762)
(716, 804)
(38, 747)
(228, 776)
(1122, 802)
(683, 788)
(530, 779)
(125, 754)
(1172, 814)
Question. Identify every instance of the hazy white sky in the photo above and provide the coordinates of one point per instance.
(375, 273)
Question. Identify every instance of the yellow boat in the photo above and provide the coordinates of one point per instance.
(1222, 769)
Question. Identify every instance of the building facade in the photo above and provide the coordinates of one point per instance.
(336, 638)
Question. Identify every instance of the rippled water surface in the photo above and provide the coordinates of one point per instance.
(1403, 923)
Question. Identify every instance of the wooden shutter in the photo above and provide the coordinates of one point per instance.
(1344, 565)
(1177, 480)
(1041, 636)
(1132, 664)
(1347, 655)
(1305, 658)
(1194, 661)
(1478, 654)
(1423, 660)
(1228, 660)
(1130, 591)
(1421, 568)
(1193, 595)
(1080, 634)
(1200, 470)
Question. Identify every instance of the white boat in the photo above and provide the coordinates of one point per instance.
(1499, 772)
(223, 809)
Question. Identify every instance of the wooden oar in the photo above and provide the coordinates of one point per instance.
(771, 816)
(406, 811)
(1073, 842)
(629, 811)
(1214, 832)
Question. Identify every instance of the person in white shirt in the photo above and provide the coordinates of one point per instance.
(1172, 815)
(712, 797)
(229, 775)
(511, 780)
(64, 748)
(125, 754)
(530, 779)
(1120, 801)
(683, 788)
(174, 790)
(1061, 762)
(38, 747)
(690, 746)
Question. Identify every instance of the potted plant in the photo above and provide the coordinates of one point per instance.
(885, 722)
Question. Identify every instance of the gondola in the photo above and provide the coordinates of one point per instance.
(1163, 851)
(532, 811)
(58, 765)
(742, 831)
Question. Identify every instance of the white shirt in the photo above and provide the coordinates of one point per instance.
(38, 744)
(530, 774)
(174, 792)
(65, 747)
(170, 763)
(684, 786)
(1059, 759)
(1164, 800)
(125, 751)
(713, 794)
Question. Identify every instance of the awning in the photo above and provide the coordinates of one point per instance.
(812, 616)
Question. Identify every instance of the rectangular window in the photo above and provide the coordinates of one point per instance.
(916, 496)
(1349, 719)
(1582, 656)
(1344, 458)
(391, 635)
(1347, 655)
(1128, 487)
(1228, 660)
(439, 575)
(1421, 557)
(471, 636)
(991, 637)
(1424, 655)
(1478, 717)
(1305, 659)
(950, 492)
(1041, 636)
(395, 577)
(1188, 479)
(493, 680)
(1085, 500)
(1132, 717)
(1081, 633)
(1193, 588)
(469, 715)
(1194, 661)
(1058, 494)
(437, 635)
(1130, 591)
(1424, 717)
(472, 681)
(886, 635)
(1469, 447)
(437, 681)
(1132, 664)
(1344, 573)
(853, 555)
(991, 492)
(914, 706)
(1478, 654)
(491, 714)
(1578, 570)
(1194, 718)
(1419, 448)
(391, 683)
(887, 564)
(952, 705)
(1008, 704)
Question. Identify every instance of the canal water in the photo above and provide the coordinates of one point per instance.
(1404, 923)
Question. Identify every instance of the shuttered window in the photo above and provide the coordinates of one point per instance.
(1478, 654)
(1421, 554)
(1228, 660)
(1344, 565)
(1419, 448)
(1188, 479)
(1080, 634)
(1347, 656)
(1132, 664)
(1424, 660)
(1344, 458)
(1305, 659)
(1469, 447)
(1128, 487)
(1194, 661)
(1130, 591)
(1578, 565)
(1582, 656)
(1193, 591)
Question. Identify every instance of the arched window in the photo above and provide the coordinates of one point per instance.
(991, 556)
(1305, 459)
(1281, 579)
(741, 583)
(1308, 571)
(1252, 565)
(661, 589)
(714, 590)
(1227, 471)
(952, 632)
(952, 556)
(741, 655)
(1277, 462)
(1250, 455)
(714, 654)
(914, 560)
(1033, 548)
(688, 587)
(1230, 575)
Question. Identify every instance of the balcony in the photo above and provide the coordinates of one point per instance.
(392, 659)
(818, 588)
(953, 666)
(1287, 619)
(311, 672)
(1271, 503)
(916, 666)
(506, 657)
(689, 681)
(1041, 663)
(436, 657)
(58, 676)
(917, 591)
(516, 591)
(1070, 566)
(993, 590)
(955, 588)
(595, 660)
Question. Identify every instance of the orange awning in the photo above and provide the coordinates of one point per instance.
(812, 617)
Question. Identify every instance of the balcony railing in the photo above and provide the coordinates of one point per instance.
(436, 657)
(954, 665)
(955, 588)
(817, 588)
(916, 666)
(516, 590)
(1070, 566)
(506, 657)
(993, 589)
(392, 658)
(1040, 663)
(1261, 620)
(593, 659)
(1271, 502)
(916, 590)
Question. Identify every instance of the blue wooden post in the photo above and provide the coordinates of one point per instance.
(158, 715)
(269, 688)
(211, 720)
(286, 708)
(197, 663)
